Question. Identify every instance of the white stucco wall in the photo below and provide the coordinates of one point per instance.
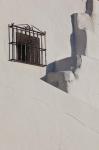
(34, 114)
(52, 16)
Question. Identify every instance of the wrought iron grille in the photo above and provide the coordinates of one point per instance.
(27, 44)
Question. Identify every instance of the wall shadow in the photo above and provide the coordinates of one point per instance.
(69, 65)
(66, 64)
(89, 7)
(78, 38)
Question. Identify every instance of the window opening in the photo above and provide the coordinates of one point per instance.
(27, 44)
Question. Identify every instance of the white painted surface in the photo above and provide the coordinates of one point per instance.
(52, 16)
(33, 114)
(87, 87)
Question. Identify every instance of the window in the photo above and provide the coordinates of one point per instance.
(27, 44)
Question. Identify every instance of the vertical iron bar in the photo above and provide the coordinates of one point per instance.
(21, 44)
(25, 52)
(29, 45)
(38, 50)
(25, 46)
(33, 48)
(45, 48)
(16, 45)
(41, 51)
(12, 41)
(21, 51)
(9, 40)
(33, 33)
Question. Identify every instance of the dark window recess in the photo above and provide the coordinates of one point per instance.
(27, 44)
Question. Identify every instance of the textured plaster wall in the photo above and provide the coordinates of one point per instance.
(93, 32)
(33, 114)
(84, 40)
(52, 16)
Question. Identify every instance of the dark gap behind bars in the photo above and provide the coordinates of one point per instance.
(27, 45)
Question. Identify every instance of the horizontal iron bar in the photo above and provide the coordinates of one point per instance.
(25, 29)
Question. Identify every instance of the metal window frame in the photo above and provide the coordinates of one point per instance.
(31, 31)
